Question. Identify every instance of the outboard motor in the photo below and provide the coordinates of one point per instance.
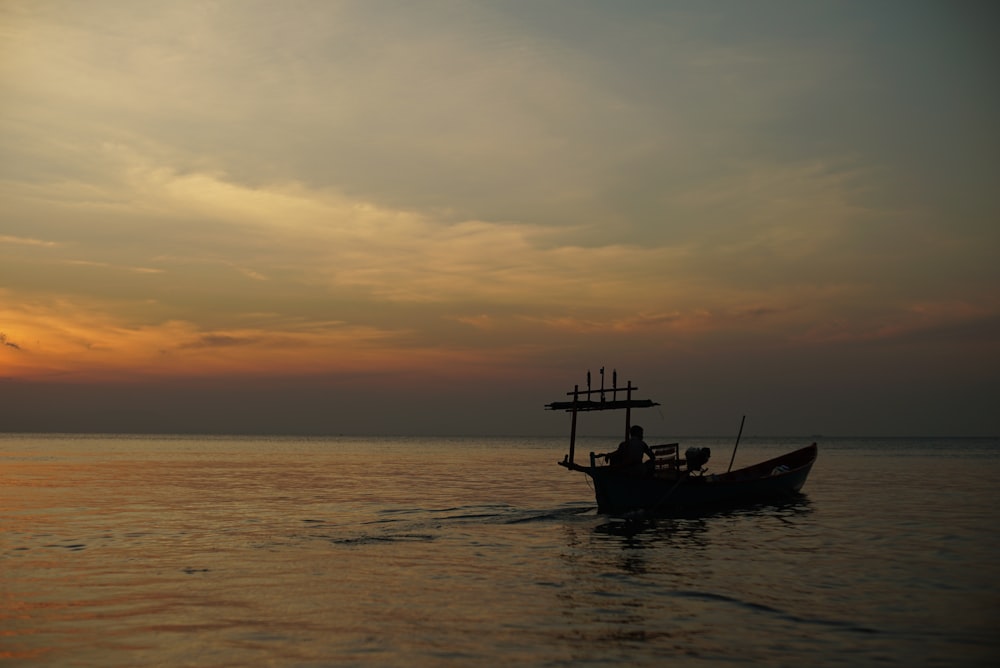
(697, 457)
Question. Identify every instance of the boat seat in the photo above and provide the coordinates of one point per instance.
(667, 457)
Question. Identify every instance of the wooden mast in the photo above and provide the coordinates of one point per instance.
(572, 430)
(628, 409)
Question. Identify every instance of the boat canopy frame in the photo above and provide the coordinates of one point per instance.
(583, 402)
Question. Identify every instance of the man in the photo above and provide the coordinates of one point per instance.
(629, 453)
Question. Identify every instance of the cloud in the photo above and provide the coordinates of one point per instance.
(23, 241)
(94, 340)
(9, 344)
(952, 322)
(397, 278)
(106, 265)
(217, 341)
(324, 237)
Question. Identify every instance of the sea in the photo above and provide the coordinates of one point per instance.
(404, 551)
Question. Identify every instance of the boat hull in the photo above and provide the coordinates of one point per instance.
(619, 493)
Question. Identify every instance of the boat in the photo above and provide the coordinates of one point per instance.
(671, 483)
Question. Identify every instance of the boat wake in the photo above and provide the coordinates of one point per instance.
(424, 525)
(774, 612)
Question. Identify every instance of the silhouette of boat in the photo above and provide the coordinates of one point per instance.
(672, 483)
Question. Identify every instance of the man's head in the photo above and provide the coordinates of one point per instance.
(635, 431)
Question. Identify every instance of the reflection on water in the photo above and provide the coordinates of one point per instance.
(647, 534)
(688, 529)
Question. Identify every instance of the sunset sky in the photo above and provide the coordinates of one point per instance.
(434, 217)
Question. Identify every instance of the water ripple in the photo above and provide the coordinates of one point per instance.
(760, 607)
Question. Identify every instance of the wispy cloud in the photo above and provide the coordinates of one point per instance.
(107, 265)
(24, 241)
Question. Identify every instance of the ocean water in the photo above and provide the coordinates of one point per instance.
(210, 551)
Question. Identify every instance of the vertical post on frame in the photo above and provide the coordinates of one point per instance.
(628, 409)
(572, 430)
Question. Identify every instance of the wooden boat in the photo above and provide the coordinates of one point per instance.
(672, 483)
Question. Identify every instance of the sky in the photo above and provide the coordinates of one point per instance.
(389, 217)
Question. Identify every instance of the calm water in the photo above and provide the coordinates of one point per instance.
(195, 551)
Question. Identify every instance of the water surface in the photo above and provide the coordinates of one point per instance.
(200, 551)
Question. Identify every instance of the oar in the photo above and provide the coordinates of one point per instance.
(733, 458)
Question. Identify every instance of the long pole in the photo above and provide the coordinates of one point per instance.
(733, 458)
